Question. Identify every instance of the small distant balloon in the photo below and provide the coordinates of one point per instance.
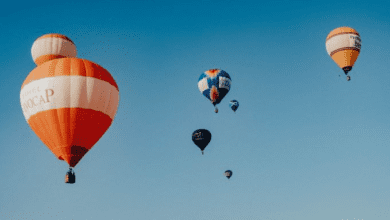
(343, 46)
(228, 173)
(214, 84)
(201, 138)
(234, 105)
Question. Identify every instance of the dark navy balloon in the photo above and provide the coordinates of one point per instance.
(228, 173)
(214, 84)
(201, 138)
(234, 105)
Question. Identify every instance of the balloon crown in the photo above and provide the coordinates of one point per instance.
(52, 46)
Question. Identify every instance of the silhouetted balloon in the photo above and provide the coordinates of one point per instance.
(234, 105)
(214, 84)
(228, 173)
(201, 138)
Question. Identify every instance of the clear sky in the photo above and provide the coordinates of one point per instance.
(304, 144)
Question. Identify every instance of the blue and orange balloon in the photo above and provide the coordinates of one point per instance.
(214, 84)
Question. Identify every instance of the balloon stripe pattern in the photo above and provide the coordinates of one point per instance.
(214, 84)
(69, 103)
(343, 45)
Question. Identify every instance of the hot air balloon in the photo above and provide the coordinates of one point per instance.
(228, 173)
(214, 84)
(234, 105)
(343, 45)
(68, 102)
(201, 138)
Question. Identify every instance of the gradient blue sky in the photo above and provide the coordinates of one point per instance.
(305, 143)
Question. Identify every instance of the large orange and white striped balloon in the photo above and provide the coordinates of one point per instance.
(343, 45)
(52, 46)
(69, 103)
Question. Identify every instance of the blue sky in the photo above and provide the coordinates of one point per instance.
(304, 143)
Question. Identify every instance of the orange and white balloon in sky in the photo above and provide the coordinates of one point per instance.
(68, 102)
(343, 46)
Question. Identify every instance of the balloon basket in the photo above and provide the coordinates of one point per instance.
(70, 176)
